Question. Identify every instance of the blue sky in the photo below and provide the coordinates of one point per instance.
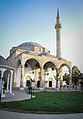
(34, 20)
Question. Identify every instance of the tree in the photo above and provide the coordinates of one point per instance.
(66, 78)
(81, 80)
(75, 75)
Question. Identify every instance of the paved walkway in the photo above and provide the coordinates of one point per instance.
(15, 115)
(18, 95)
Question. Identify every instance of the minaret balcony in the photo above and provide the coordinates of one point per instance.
(58, 26)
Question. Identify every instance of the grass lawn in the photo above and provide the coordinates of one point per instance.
(53, 102)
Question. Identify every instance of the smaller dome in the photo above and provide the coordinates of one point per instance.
(3, 61)
(28, 52)
(44, 53)
(59, 58)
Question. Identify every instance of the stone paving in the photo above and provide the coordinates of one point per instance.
(16, 96)
(15, 115)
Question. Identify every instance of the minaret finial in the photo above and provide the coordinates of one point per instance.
(57, 13)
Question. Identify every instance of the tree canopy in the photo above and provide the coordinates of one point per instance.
(77, 76)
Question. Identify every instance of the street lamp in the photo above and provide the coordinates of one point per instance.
(32, 90)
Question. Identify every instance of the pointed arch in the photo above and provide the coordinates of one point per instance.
(64, 64)
(50, 64)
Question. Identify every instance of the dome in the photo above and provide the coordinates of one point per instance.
(30, 44)
(44, 53)
(28, 52)
(3, 61)
(59, 58)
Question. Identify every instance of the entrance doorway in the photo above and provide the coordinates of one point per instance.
(28, 83)
(38, 84)
(50, 83)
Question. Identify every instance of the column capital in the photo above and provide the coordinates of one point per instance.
(41, 67)
(22, 65)
(3, 70)
(58, 70)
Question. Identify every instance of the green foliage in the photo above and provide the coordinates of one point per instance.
(81, 80)
(75, 69)
(75, 75)
(66, 78)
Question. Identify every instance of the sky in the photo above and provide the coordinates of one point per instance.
(34, 21)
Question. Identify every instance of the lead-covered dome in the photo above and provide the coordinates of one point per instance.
(44, 53)
(59, 58)
(30, 44)
(29, 52)
(3, 61)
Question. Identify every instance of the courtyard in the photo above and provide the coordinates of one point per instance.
(48, 102)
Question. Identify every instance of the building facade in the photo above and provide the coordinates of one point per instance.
(34, 64)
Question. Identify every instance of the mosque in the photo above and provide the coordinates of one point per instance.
(34, 65)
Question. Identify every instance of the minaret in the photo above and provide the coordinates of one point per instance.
(58, 27)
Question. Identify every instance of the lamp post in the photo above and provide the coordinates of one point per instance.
(32, 90)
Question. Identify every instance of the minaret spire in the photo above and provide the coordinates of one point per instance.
(58, 27)
(57, 13)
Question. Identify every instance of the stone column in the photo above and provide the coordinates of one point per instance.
(11, 78)
(22, 75)
(36, 77)
(57, 77)
(8, 82)
(70, 78)
(1, 83)
(61, 78)
(2, 72)
(42, 77)
(15, 78)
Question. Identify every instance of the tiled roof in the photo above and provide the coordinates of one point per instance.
(3, 61)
